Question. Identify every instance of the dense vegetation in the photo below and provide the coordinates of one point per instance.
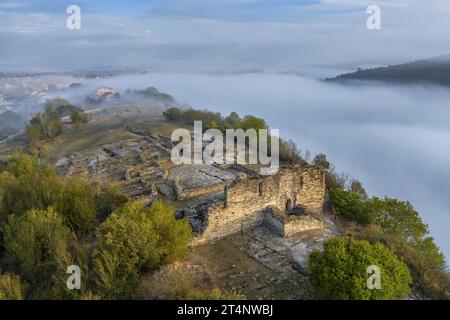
(47, 125)
(392, 222)
(289, 152)
(433, 71)
(215, 120)
(47, 224)
(340, 271)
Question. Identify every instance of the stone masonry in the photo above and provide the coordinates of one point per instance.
(288, 202)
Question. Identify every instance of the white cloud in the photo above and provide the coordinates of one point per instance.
(11, 5)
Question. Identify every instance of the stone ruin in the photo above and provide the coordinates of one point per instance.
(288, 203)
(219, 200)
(135, 165)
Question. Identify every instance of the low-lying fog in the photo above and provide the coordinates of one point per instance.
(395, 139)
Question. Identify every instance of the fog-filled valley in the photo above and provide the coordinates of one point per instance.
(394, 138)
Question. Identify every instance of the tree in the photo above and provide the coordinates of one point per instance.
(78, 118)
(252, 122)
(357, 187)
(321, 162)
(399, 217)
(45, 125)
(350, 206)
(11, 288)
(340, 271)
(38, 243)
(132, 240)
(233, 121)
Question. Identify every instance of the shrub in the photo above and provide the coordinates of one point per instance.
(78, 117)
(399, 226)
(350, 206)
(427, 266)
(133, 240)
(109, 199)
(27, 185)
(38, 243)
(174, 236)
(11, 288)
(340, 271)
(77, 205)
(172, 114)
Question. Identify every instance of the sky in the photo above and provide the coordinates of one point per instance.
(312, 37)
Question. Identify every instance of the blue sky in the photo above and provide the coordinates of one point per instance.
(139, 7)
(221, 35)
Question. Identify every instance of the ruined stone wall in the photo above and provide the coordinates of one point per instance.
(198, 192)
(303, 223)
(312, 195)
(287, 226)
(247, 199)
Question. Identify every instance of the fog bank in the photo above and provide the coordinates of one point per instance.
(395, 139)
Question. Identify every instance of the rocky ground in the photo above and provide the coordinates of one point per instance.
(259, 264)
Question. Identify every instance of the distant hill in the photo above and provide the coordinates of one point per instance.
(434, 71)
(154, 94)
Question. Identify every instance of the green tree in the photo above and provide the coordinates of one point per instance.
(79, 118)
(233, 121)
(340, 271)
(351, 206)
(11, 288)
(357, 187)
(321, 162)
(399, 217)
(252, 122)
(45, 125)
